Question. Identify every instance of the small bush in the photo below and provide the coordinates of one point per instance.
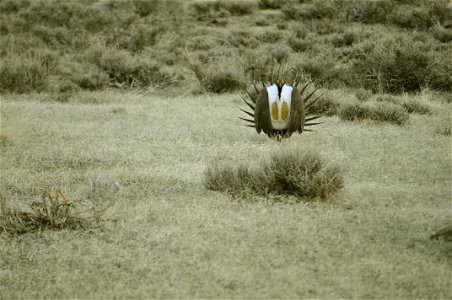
(219, 78)
(415, 106)
(391, 113)
(379, 112)
(303, 174)
(26, 72)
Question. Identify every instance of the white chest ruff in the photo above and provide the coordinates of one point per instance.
(279, 106)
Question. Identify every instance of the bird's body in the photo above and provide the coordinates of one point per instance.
(279, 110)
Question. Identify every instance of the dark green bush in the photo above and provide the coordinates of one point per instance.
(303, 174)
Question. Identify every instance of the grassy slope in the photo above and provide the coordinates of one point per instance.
(170, 237)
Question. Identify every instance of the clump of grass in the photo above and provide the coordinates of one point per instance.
(303, 174)
(416, 106)
(380, 112)
(54, 210)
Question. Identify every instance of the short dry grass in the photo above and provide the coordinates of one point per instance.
(168, 236)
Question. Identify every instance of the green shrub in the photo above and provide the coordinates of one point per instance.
(26, 72)
(380, 112)
(303, 174)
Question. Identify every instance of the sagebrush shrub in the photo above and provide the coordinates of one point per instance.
(379, 112)
(402, 66)
(303, 174)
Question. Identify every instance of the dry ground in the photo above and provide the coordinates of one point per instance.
(169, 237)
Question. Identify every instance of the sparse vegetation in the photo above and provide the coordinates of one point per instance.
(54, 210)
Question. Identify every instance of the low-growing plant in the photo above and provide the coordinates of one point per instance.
(303, 174)
(54, 210)
(416, 106)
(378, 111)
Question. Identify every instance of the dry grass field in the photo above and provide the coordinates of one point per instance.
(168, 236)
(128, 106)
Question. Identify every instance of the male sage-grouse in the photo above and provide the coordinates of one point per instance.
(279, 108)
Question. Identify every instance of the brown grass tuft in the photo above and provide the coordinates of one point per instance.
(303, 174)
